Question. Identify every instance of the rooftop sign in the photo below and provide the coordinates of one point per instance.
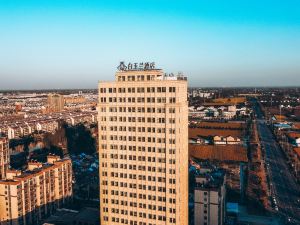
(136, 66)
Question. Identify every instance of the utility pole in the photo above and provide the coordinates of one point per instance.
(280, 112)
(271, 101)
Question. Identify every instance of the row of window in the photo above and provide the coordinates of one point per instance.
(141, 168)
(139, 177)
(138, 100)
(140, 158)
(138, 129)
(141, 206)
(137, 119)
(141, 187)
(136, 77)
(138, 109)
(140, 196)
(138, 139)
(134, 167)
(135, 148)
(138, 90)
(132, 222)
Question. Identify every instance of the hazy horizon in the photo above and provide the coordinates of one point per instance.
(96, 89)
(73, 44)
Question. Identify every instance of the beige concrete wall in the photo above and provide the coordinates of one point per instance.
(158, 167)
(214, 202)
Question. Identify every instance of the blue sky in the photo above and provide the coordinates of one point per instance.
(73, 44)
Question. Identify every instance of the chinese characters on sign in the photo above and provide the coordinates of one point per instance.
(136, 66)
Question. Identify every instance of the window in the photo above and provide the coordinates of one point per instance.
(171, 110)
(151, 89)
(172, 100)
(172, 89)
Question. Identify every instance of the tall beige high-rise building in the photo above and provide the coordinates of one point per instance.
(4, 157)
(143, 147)
(55, 102)
(27, 198)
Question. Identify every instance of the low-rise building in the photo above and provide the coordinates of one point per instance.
(15, 128)
(48, 126)
(219, 140)
(209, 198)
(74, 99)
(14, 131)
(294, 138)
(229, 140)
(86, 216)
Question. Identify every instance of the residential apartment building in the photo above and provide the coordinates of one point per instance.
(4, 156)
(55, 102)
(226, 140)
(28, 197)
(15, 129)
(73, 99)
(209, 198)
(49, 126)
(143, 148)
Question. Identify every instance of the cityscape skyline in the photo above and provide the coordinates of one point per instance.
(153, 112)
(145, 149)
(222, 44)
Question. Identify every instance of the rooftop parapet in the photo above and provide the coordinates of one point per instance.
(144, 72)
(210, 180)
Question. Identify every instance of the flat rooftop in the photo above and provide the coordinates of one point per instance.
(210, 180)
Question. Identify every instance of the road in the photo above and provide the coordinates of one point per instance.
(284, 189)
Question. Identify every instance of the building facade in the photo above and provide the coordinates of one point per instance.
(4, 156)
(28, 197)
(55, 102)
(143, 148)
(209, 199)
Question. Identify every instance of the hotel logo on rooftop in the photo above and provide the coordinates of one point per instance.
(136, 66)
